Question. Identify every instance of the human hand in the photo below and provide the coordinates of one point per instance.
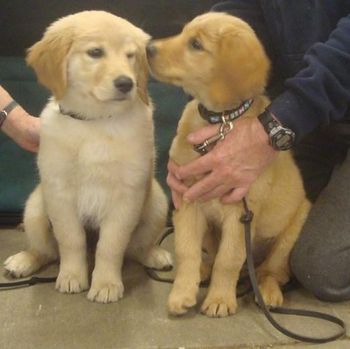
(178, 188)
(19, 125)
(229, 169)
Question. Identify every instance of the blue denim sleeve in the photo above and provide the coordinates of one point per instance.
(319, 93)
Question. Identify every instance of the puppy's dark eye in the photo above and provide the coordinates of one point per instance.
(96, 52)
(196, 44)
(130, 55)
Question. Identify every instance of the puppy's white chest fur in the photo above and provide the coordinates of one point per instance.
(96, 161)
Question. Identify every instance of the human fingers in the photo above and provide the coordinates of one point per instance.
(175, 184)
(177, 199)
(33, 148)
(202, 187)
(217, 192)
(234, 195)
(197, 167)
(173, 167)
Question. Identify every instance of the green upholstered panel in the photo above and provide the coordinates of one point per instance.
(169, 102)
(18, 173)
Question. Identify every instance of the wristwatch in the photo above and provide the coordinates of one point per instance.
(281, 138)
(7, 110)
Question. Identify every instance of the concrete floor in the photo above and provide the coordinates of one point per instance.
(40, 317)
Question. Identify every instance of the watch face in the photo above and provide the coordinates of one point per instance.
(283, 139)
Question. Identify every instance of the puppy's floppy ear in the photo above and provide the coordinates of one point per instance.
(142, 68)
(142, 76)
(243, 63)
(48, 57)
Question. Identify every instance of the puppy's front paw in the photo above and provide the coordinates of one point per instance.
(219, 306)
(106, 292)
(158, 258)
(270, 291)
(69, 282)
(181, 299)
(22, 264)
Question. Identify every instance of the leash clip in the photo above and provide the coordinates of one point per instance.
(225, 127)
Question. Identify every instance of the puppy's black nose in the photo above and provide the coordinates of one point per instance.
(123, 84)
(151, 49)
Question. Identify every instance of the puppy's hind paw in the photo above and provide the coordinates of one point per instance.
(159, 259)
(271, 291)
(22, 264)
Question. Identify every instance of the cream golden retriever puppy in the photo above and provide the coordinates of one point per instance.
(218, 59)
(96, 157)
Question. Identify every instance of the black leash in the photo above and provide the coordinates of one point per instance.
(246, 219)
(27, 282)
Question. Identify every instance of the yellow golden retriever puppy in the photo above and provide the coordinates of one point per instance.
(96, 157)
(218, 59)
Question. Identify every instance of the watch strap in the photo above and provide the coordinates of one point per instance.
(7, 110)
(268, 121)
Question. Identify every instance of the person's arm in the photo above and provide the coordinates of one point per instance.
(19, 125)
(317, 94)
(320, 92)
